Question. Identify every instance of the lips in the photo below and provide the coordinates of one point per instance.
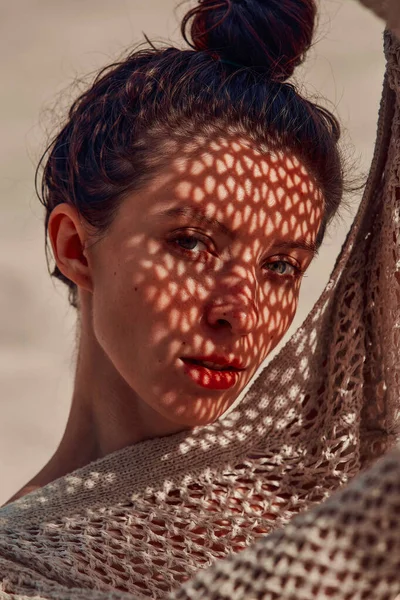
(213, 371)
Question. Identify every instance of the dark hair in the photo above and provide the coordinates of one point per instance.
(242, 53)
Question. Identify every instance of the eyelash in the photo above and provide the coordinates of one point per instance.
(202, 255)
(297, 271)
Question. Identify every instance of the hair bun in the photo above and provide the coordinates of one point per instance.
(270, 35)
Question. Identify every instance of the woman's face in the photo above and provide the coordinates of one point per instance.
(198, 277)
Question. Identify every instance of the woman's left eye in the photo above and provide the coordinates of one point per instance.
(283, 268)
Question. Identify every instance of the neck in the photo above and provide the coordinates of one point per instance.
(106, 415)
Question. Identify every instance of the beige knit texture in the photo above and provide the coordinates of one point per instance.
(388, 10)
(149, 517)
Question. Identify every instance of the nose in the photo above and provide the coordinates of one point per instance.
(235, 312)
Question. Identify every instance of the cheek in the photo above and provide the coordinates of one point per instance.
(276, 314)
(146, 299)
(169, 291)
(118, 300)
(116, 306)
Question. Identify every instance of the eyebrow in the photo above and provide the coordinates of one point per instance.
(300, 244)
(201, 217)
(198, 215)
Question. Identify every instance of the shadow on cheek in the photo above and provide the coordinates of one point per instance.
(238, 227)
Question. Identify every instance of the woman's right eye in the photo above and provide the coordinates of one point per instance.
(191, 245)
(190, 242)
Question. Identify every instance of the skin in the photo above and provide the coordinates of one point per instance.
(167, 281)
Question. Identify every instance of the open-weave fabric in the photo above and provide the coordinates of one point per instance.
(149, 517)
(388, 10)
(346, 548)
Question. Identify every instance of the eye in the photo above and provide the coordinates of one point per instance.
(193, 245)
(283, 268)
(190, 242)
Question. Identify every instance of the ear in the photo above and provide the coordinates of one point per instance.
(68, 238)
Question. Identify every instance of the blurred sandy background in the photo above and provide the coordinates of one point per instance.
(44, 45)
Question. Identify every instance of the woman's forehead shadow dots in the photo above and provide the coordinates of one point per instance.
(230, 180)
(278, 180)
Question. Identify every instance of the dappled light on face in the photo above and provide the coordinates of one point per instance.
(210, 257)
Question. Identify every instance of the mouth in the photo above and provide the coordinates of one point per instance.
(213, 372)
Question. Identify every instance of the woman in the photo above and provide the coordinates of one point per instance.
(185, 197)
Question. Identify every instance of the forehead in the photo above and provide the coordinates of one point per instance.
(233, 178)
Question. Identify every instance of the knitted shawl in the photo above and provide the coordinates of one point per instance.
(263, 488)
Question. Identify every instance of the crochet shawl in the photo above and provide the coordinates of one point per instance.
(257, 504)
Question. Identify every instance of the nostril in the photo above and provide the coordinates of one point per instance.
(223, 322)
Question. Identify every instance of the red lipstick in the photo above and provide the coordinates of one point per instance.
(213, 372)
